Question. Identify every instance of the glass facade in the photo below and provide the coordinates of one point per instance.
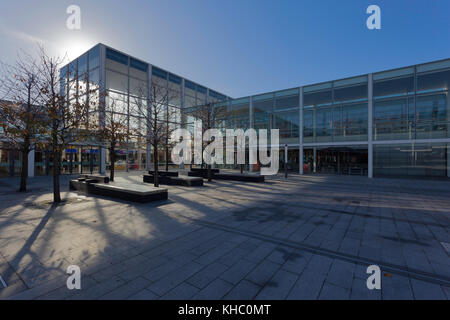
(128, 86)
(402, 116)
(416, 159)
(408, 134)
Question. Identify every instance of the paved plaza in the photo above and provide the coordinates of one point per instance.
(305, 237)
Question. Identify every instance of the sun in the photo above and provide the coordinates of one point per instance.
(74, 46)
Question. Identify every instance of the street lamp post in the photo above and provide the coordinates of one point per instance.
(285, 160)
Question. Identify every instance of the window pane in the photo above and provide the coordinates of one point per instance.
(431, 116)
(82, 65)
(354, 122)
(117, 102)
(159, 73)
(427, 160)
(94, 60)
(116, 81)
(324, 124)
(175, 98)
(189, 101)
(308, 126)
(437, 81)
(394, 87)
(317, 98)
(73, 70)
(138, 87)
(354, 93)
(288, 124)
(393, 119)
(286, 102)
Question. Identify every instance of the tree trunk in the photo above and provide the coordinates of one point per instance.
(24, 169)
(155, 172)
(56, 166)
(167, 158)
(209, 173)
(112, 156)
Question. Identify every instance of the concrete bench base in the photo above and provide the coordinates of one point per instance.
(175, 181)
(244, 177)
(98, 178)
(198, 173)
(129, 192)
(204, 170)
(165, 173)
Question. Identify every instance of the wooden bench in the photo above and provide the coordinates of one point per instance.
(175, 181)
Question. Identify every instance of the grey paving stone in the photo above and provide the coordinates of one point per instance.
(307, 287)
(261, 252)
(280, 255)
(386, 220)
(332, 292)
(244, 290)
(202, 278)
(14, 291)
(143, 295)
(278, 287)
(262, 274)
(63, 292)
(181, 292)
(162, 270)
(341, 274)
(238, 271)
(427, 291)
(98, 290)
(215, 253)
(215, 290)
(361, 292)
(447, 291)
(297, 261)
(319, 264)
(232, 256)
(173, 279)
(396, 288)
(127, 289)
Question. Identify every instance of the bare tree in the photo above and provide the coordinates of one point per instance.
(19, 108)
(157, 127)
(211, 116)
(65, 118)
(112, 131)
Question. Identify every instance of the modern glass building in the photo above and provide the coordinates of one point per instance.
(117, 81)
(391, 123)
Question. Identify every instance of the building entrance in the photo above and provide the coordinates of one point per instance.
(336, 160)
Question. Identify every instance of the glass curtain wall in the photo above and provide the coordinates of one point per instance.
(421, 159)
(336, 111)
(412, 103)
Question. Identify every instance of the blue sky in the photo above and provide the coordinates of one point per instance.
(239, 47)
